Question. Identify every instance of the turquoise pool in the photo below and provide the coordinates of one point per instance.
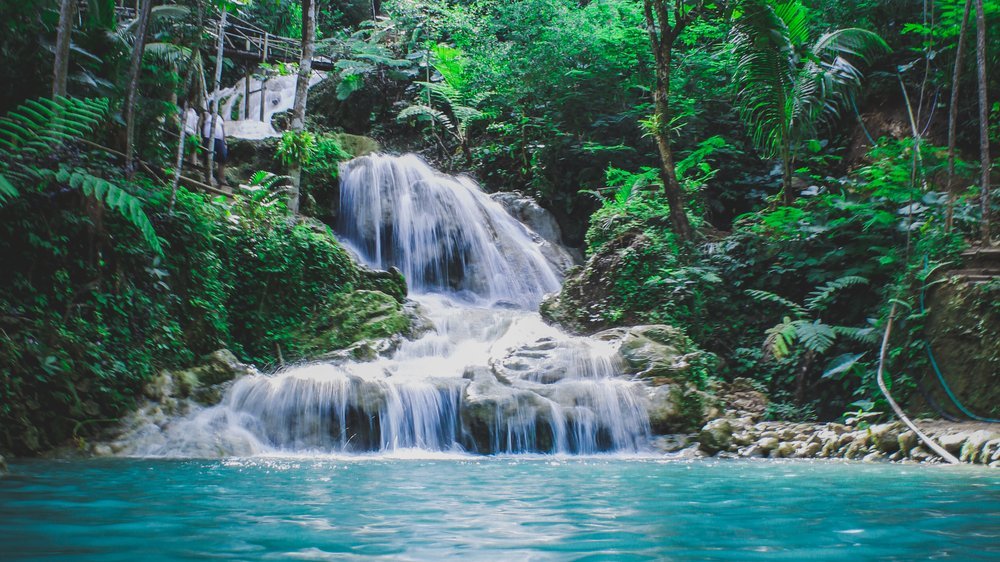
(495, 508)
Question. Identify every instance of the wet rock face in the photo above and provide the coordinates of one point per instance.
(672, 399)
(528, 212)
(659, 354)
(651, 351)
(491, 412)
(531, 214)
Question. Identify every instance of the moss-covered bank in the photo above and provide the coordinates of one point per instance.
(89, 314)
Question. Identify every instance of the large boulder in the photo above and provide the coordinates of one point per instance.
(353, 317)
(716, 436)
(390, 282)
(527, 211)
(659, 353)
(203, 383)
(530, 213)
(588, 300)
(676, 408)
(491, 410)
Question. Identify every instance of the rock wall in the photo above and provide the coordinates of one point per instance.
(963, 330)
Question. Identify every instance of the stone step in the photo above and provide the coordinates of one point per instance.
(988, 257)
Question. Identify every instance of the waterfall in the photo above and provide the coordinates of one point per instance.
(491, 377)
(249, 117)
(442, 232)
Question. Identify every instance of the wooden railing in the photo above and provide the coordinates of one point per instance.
(244, 41)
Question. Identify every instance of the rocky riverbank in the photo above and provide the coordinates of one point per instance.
(741, 432)
(974, 443)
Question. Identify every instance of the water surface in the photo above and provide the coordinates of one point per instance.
(495, 508)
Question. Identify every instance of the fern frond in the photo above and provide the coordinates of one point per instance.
(780, 339)
(114, 198)
(769, 297)
(824, 293)
(38, 124)
(7, 190)
(423, 112)
(815, 335)
(868, 336)
(353, 67)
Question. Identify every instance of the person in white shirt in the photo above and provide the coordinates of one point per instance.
(218, 144)
(191, 134)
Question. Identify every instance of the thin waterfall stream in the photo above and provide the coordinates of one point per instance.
(490, 376)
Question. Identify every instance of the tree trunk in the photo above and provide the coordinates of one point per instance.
(132, 88)
(787, 191)
(194, 65)
(213, 105)
(302, 93)
(662, 44)
(668, 172)
(984, 109)
(64, 36)
(953, 115)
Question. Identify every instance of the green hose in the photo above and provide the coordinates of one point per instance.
(937, 370)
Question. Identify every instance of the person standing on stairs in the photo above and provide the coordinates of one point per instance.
(191, 134)
(218, 144)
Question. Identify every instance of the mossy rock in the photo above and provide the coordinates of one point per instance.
(356, 316)
(247, 156)
(661, 354)
(389, 282)
(677, 408)
(358, 145)
(589, 299)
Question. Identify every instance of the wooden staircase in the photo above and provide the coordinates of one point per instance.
(982, 265)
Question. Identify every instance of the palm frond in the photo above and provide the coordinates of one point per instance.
(795, 17)
(851, 41)
(167, 52)
(787, 87)
(765, 70)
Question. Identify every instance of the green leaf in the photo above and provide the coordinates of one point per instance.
(841, 364)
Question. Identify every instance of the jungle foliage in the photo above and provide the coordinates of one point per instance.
(844, 107)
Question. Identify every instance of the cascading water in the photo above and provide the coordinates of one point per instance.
(491, 377)
(442, 232)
